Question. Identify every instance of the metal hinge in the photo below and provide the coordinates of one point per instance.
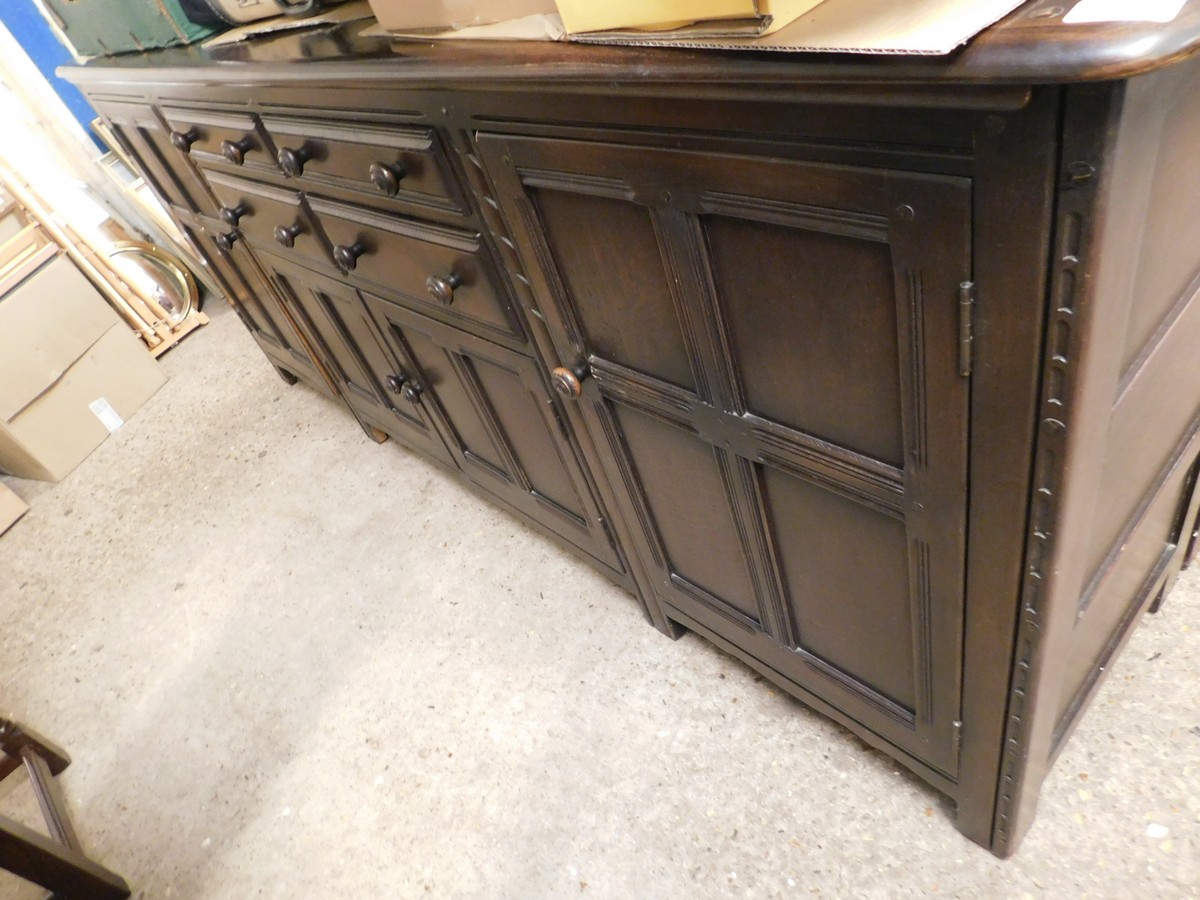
(956, 742)
(966, 327)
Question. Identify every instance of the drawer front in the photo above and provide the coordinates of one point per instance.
(435, 269)
(269, 217)
(403, 164)
(224, 138)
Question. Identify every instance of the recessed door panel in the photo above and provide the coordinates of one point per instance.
(520, 414)
(680, 476)
(849, 599)
(367, 376)
(469, 434)
(765, 352)
(257, 304)
(625, 313)
(497, 419)
(170, 174)
(801, 306)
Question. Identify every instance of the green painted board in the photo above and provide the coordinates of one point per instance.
(106, 27)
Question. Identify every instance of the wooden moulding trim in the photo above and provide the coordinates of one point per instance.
(1063, 338)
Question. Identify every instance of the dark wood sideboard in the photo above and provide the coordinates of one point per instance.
(881, 374)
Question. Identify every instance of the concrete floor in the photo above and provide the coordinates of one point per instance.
(291, 663)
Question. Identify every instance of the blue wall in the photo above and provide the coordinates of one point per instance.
(33, 33)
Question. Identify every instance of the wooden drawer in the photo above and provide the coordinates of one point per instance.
(431, 267)
(268, 216)
(394, 163)
(225, 138)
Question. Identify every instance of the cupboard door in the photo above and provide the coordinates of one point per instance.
(145, 140)
(766, 353)
(260, 311)
(500, 423)
(380, 393)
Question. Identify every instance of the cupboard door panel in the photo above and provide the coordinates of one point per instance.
(260, 310)
(765, 352)
(626, 313)
(499, 423)
(341, 329)
(170, 174)
(463, 418)
(680, 477)
(518, 411)
(776, 284)
(849, 602)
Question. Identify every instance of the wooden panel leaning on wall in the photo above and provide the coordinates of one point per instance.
(842, 348)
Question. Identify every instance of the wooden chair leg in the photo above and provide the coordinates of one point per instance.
(66, 872)
(14, 738)
(56, 862)
(50, 799)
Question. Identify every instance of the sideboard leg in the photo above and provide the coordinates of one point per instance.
(375, 434)
(670, 628)
(288, 378)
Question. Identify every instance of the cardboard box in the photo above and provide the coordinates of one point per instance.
(714, 18)
(106, 27)
(12, 508)
(409, 15)
(70, 372)
(931, 27)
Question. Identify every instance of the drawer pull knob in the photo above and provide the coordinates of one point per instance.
(412, 391)
(347, 257)
(235, 151)
(441, 288)
(569, 382)
(286, 235)
(183, 140)
(386, 178)
(292, 160)
(227, 240)
(231, 214)
(395, 383)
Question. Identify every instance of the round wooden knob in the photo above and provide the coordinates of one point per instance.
(412, 392)
(183, 140)
(292, 160)
(386, 178)
(227, 240)
(395, 383)
(231, 215)
(568, 383)
(346, 257)
(285, 235)
(442, 288)
(235, 151)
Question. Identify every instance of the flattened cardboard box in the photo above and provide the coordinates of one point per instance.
(62, 349)
(12, 508)
(925, 27)
(922, 27)
(408, 15)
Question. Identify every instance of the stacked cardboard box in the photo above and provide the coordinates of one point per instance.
(70, 371)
